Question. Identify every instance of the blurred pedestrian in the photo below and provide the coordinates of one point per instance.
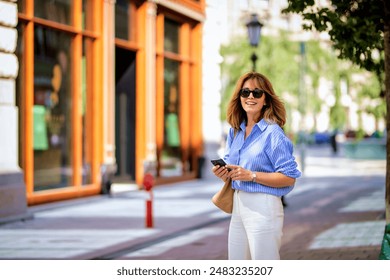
(262, 165)
(333, 141)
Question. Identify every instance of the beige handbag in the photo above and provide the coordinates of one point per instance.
(223, 199)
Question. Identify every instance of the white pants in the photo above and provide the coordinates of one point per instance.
(256, 227)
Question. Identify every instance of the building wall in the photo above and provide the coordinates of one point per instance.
(63, 92)
(12, 187)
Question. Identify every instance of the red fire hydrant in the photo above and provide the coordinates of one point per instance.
(148, 184)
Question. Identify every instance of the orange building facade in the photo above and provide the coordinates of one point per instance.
(106, 89)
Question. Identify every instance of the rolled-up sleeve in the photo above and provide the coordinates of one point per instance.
(281, 156)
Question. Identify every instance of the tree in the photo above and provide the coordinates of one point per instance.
(360, 32)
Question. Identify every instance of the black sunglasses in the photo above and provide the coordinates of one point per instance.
(257, 93)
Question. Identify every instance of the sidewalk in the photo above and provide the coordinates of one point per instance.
(100, 227)
(92, 227)
(341, 212)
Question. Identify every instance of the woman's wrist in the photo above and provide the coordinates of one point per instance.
(253, 177)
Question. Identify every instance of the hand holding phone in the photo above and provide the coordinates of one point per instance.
(219, 162)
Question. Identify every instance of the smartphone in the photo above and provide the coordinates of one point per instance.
(219, 162)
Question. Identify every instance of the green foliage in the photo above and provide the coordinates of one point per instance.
(323, 63)
(385, 250)
(279, 59)
(375, 106)
(337, 116)
(355, 27)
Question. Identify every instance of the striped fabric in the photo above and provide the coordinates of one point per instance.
(266, 149)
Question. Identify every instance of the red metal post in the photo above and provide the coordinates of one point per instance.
(148, 184)
(149, 211)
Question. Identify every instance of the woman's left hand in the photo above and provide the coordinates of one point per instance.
(238, 173)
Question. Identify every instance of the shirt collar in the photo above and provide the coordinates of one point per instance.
(262, 124)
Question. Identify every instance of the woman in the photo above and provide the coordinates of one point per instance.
(263, 168)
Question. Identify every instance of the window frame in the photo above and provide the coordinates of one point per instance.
(77, 33)
(186, 57)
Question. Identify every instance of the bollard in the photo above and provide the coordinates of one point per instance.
(148, 184)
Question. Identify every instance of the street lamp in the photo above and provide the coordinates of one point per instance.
(254, 31)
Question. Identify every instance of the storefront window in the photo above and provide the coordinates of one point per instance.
(52, 110)
(122, 19)
(171, 154)
(54, 10)
(171, 36)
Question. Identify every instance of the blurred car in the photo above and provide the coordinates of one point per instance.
(322, 137)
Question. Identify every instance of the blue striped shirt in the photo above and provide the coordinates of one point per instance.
(266, 149)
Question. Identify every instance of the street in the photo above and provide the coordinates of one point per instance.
(336, 211)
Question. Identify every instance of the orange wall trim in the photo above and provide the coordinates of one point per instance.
(99, 42)
(63, 194)
(28, 154)
(140, 152)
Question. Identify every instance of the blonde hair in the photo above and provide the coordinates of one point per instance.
(272, 112)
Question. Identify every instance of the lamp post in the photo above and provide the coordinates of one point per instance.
(254, 31)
